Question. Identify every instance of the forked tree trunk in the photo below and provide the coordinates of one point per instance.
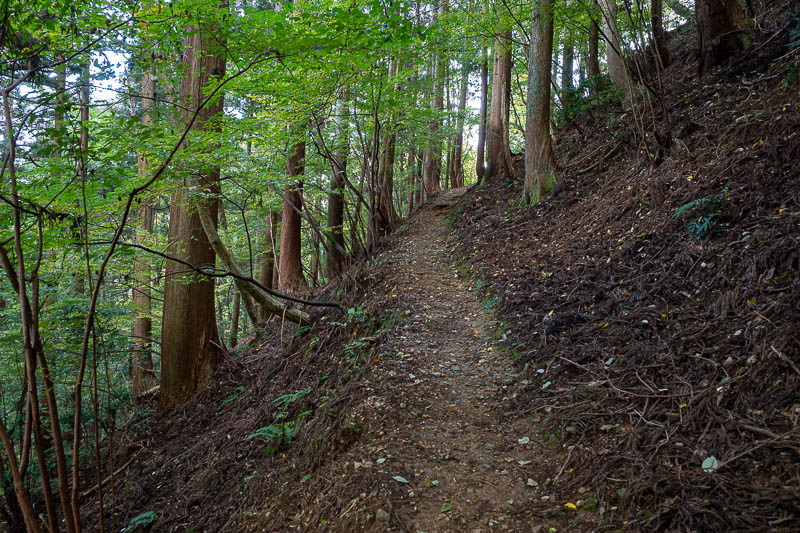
(539, 160)
(190, 339)
(143, 376)
(480, 159)
(497, 131)
(290, 266)
(720, 31)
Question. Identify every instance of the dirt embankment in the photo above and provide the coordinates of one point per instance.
(654, 311)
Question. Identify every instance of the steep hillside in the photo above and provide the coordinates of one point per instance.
(622, 357)
(654, 311)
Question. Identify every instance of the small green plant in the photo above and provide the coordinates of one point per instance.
(233, 397)
(356, 314)
(390, 319)
(706, 222)
(286, 399)
(142, 521)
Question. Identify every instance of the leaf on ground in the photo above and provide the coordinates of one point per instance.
(445, 507)
(400, 479)
(710, 464)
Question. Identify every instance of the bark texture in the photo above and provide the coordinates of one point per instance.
(335, 259)
(592, 60)
(142, 373)
(433, 155)
(480, 157)
(720, 31)
(659, 37)
(497, 131)
(270, 253)
(190, 339)
(539, 160)
(290, 267)
(456, 167)
(616, 63)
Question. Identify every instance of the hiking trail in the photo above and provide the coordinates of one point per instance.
(461, 467)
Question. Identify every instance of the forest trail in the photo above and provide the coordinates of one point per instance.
(465, 469)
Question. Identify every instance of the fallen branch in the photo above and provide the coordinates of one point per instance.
(113, 474)
(606, 156)
(249, 289)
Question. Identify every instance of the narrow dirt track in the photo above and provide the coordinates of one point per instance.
(465, 469)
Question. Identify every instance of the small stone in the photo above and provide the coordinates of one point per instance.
(532, 483)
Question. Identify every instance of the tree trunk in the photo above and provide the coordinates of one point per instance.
(314, 271)
(268, 260)
(235, 319)
(659, 38)
(568, 66)
(480, 163)
(412, 183)
(142, 372)
(592, 61)
(387, 218)
(335, 259)
(616, 64)
(497, 131)
(539, 160)
(190, 339)
(456, 164)
(249, 291)
(290, 265)
(720, 31)
(433, 155)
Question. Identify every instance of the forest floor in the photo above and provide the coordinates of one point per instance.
(458, 466)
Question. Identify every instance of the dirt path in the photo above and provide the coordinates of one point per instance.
(465, 470)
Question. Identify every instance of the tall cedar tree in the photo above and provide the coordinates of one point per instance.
(480, 160)
(433, 154)
(336, 259)
(143, 376)
(593, 62)
(497, 131)
(268, 271)
(720, 31)
(290, 267)
(540, 165)
(190, 339)
(456, 167)
(659, 37)
(616, 63)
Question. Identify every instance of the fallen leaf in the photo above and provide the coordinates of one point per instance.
(400, 479)
(445, 507)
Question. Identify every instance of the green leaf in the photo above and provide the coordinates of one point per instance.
(445, 507)
(710, 464)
